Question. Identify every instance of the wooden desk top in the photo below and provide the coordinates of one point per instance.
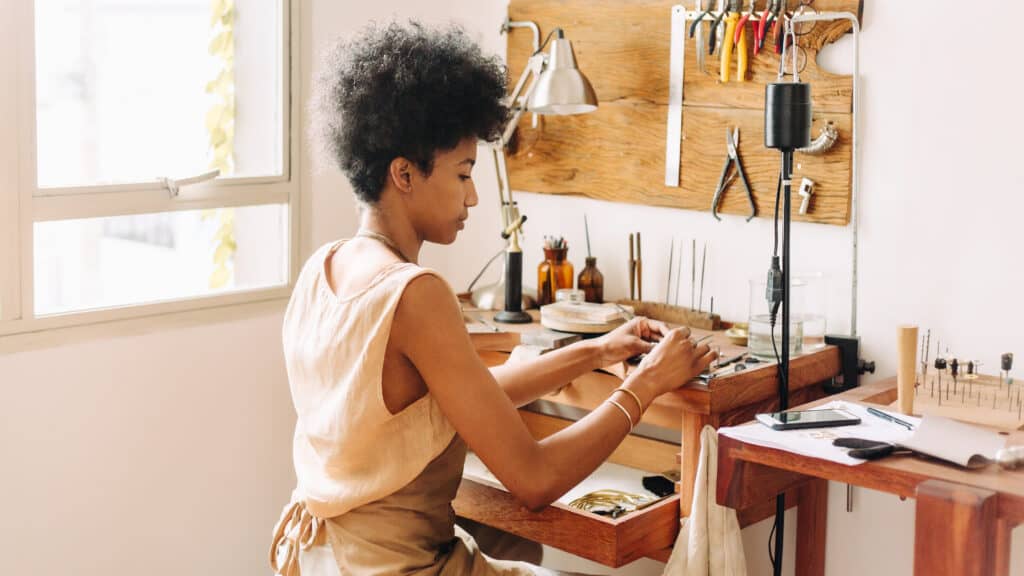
(739, 392)
(775, 470)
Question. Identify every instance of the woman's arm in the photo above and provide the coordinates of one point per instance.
(526, 381)
(428, 329)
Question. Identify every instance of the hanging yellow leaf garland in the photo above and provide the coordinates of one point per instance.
(220, 126)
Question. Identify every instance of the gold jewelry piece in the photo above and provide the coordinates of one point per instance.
(364, 233)
(613, 503)
(624, 411)
(639, 404)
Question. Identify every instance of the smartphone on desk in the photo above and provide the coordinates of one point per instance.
(807, 419)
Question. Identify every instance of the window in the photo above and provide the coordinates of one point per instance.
(148, 163)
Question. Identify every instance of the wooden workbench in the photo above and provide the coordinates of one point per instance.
(964, 517)
(667, 438)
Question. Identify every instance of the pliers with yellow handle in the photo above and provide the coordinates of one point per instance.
(735, 33)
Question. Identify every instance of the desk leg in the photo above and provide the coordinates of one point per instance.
(693, 423)
(956, 530)
(1002, 551)
(812, 518)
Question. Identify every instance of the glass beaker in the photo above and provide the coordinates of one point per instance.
(811, 307)
(759, 330)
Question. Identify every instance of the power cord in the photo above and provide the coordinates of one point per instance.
(773, 293)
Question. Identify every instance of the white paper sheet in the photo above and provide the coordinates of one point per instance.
(817, 442)
(950, 440)
(956, 442)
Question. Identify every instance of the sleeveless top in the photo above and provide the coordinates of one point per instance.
(348, 449)
(374, 489)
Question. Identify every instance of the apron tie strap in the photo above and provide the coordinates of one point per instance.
(297, 529)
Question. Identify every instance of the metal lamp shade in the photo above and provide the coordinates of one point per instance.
(561, 88)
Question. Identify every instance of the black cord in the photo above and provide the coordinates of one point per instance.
(778, 196)
(774, 309)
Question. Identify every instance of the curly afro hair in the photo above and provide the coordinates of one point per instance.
(405, 91)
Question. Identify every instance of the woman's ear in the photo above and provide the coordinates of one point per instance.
(400, 172)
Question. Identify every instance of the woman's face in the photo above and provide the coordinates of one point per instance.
(440, 202)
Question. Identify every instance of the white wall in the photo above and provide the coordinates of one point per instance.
(164, 453)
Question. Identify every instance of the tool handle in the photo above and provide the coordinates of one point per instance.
(872, 453)
(742, 53)
(722, 183)
(779, 35)
(739, 28)
(746, 185)
(696, 23)
(762, 31)
(726, 55)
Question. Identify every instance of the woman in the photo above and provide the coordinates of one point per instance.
(386, 383)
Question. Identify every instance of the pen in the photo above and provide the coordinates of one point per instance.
(890, 418)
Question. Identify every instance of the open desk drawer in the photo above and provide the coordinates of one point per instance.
(612, 542)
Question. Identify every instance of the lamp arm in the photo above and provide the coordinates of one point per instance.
(518, 103)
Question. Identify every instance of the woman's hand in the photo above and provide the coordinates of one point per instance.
(638, 336)
(674, 361)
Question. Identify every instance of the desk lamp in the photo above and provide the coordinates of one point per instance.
(558, 87)
(787, 127)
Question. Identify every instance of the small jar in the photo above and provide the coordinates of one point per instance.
(553, 273)
(591, 281)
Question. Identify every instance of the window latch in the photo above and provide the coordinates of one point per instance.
(173, 186)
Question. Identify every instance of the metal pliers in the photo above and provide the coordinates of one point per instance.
(773, 14)
(732, 140)
(735, 34)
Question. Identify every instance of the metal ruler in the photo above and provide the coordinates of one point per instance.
(674, 129)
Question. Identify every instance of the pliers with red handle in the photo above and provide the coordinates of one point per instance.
(744, 18)
(771, 15)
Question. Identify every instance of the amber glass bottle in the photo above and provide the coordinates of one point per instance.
(591, 281)
(553, 273)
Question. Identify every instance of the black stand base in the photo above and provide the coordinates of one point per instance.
(513, 317)
(513, 312)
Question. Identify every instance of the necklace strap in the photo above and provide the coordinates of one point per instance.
(364, 233)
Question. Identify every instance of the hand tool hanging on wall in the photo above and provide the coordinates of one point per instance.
(744, 18)
(780, 37)
(732, 140)
(718, 36)
(696, 28)
(768, 17)
(735, 34)
(732, 17)
(700, 39)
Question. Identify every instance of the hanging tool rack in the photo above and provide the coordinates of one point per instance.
(618, 153)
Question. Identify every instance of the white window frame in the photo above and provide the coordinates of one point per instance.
(22, 203)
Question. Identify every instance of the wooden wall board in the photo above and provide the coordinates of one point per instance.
(618, 152)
